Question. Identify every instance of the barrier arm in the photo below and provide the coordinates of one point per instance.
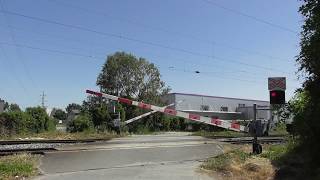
(194, 117)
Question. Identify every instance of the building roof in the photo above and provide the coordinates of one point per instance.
(199, 95)
(221, 112)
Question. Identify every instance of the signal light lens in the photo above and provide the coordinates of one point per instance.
(277, 97)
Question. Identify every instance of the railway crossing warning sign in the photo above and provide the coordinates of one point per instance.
(277, 83)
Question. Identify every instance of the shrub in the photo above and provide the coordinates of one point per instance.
(80, 124)
(14, 122)
(40, 121)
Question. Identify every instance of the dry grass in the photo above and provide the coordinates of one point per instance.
(240, 165)
(63, 135)
(18, 166)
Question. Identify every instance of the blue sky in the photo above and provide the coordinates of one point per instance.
(236, 45)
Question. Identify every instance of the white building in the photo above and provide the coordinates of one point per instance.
(218, 107)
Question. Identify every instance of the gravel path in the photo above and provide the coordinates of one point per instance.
(29, 146)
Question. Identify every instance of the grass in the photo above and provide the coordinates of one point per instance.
(18, 166)
(210, 134)
(242, 164)
(281, 161)
(275, 152)
(64, 135)
(222, 162)
(279, 130)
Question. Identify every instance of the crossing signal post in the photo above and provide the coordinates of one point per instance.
(277, 87)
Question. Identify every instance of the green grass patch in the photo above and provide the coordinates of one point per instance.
(18, 166)
(223, 161)
(275, 152)
(279, 130)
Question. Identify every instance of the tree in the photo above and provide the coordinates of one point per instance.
(133, 77)
(309, 62)
(100, 116)
(59, 114)
(40, 121)
(73, 106)
(13, 107)
(14, 122)
(80, 124)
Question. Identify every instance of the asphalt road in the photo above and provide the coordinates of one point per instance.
(165, 156)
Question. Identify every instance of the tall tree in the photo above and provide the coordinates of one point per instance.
(133, 77)
(73, 106)
(14, 107)
(128, 76)
(307, 118)
(59, 114)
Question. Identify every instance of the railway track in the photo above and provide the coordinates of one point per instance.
(9, 147)
(49, 141)
(42, 146)
(248, 140)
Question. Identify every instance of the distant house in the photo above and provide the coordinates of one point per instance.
(72, 115)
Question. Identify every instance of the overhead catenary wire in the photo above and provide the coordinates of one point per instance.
(51, 50)
(12, 70)
(260, 20)
(18, 52)
(102, 45)
(141, 41)
(165, 30)
(219, 76)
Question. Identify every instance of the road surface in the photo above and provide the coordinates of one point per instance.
(164, 156)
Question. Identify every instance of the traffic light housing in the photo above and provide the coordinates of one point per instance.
(277, 97)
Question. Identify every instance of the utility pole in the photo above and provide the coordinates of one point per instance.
(256, 147)
(43, 100)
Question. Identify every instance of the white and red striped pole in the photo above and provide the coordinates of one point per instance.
(194, 117)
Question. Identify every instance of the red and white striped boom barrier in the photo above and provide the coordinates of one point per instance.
(194, 117)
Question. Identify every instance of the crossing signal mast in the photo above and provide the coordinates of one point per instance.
(277, 87)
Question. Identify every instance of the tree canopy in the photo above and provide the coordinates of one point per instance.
(73, 106)
(59, 114)
(307, 105)
(133, 77)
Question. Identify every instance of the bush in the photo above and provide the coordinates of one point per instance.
(40, 121)
(14, 122)
(80, 124)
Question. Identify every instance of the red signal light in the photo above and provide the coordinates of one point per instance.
(277, 97)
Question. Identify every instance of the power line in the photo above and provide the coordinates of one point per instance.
(18, 53)
(14, 72)
(101, 45)
(161, 29)
(251, 17)
(216, 75)
(94, 57)
(52, 50)
(139, 41)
